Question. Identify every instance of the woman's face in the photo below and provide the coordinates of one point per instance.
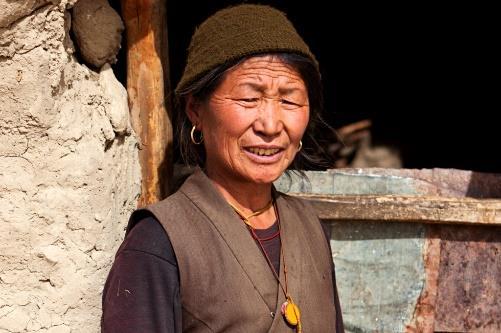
(254, 120)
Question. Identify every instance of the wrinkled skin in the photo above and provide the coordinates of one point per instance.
(260, 104)
(252, 124)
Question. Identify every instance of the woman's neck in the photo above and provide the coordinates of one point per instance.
(248, 197)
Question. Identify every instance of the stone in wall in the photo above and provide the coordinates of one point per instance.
(69, 176)
(98, 31)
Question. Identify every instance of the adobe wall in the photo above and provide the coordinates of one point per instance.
(69, 172)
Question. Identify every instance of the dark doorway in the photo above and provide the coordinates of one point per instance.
(423, 74)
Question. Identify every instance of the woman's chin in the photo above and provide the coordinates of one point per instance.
(263, 176)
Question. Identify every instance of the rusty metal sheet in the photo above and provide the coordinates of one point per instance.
(419, 277)
(469, 289)
(424, 314)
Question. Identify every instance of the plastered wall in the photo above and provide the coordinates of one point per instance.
(69, 173)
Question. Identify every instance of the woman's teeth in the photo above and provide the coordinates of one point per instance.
(263, 152)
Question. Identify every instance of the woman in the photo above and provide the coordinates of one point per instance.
(226, 252)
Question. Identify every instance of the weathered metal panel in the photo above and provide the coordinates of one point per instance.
(380, 273)
(424, 276)
(438, 182)
(347, 183)
(424, 314)
(469, 289)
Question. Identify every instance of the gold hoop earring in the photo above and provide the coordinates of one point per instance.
(192, 135)
(300, 145)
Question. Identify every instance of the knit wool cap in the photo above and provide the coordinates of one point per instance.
(236, 32)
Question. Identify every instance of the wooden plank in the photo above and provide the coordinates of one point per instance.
(147, 82)
(421, 209)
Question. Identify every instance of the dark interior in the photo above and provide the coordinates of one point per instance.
(424, 75)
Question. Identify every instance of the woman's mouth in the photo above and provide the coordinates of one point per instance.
(264, 155)
(263, 151)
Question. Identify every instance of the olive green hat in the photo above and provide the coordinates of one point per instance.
(237, 32)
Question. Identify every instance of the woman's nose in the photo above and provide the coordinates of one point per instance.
(269, 118)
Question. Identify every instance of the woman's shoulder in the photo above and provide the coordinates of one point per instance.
(302, 208)
(158, 210)
(307, 214)
(297, 203)
(147, 236)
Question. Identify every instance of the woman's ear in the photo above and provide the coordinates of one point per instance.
(193, 111)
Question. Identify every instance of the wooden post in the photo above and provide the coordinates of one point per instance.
(147, 84)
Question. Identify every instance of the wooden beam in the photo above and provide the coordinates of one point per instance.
(420, 209)
(147, 84)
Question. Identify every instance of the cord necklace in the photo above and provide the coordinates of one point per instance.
(289, 309)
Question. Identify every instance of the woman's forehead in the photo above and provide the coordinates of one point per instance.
(261, 68)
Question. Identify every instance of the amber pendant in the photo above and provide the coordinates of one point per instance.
(291, 313)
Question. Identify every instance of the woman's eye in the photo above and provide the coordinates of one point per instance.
(284, 101)
(248, 100)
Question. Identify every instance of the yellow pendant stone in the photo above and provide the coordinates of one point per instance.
(291, 312)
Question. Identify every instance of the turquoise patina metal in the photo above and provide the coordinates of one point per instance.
(379, 266)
